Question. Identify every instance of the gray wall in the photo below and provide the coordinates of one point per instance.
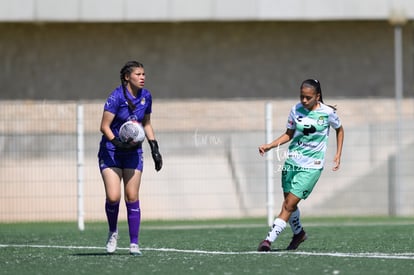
(201, 60)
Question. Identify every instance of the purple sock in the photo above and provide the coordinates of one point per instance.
(134, 220)
(112, 210)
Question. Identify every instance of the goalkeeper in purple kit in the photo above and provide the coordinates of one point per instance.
(124, 161)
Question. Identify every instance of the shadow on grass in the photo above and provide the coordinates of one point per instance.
(95, 254)
(277, 250)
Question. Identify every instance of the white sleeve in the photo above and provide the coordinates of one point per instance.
(291, 123)
(334, 120)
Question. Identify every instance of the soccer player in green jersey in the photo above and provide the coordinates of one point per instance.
(307, 130)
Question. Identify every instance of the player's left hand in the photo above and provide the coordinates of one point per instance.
(337, 163)
(156, 156)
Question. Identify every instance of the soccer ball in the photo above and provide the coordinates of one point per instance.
(132, 132)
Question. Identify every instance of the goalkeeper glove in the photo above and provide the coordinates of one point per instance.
(156, 156)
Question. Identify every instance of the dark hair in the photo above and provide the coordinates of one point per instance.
(316, 85)
(126, 70)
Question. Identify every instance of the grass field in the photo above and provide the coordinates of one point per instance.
(335, 246)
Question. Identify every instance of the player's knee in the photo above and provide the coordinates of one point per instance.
(131, 197)
(288, 207)
(113, 199)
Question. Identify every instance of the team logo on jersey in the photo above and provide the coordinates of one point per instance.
(142, 101)
(321, 121)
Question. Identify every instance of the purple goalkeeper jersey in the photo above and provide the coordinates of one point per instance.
(117, 104)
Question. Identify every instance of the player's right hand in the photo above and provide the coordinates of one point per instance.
(123, 145)
(263, 149)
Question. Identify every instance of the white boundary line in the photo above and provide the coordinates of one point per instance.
(257, 225)
(400, 256)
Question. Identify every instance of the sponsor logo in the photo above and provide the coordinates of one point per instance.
(304, 144)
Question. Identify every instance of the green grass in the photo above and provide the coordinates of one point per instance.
(335, 246)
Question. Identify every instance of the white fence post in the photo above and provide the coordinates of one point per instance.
(398, 20)
(80, 163)
(269, 166)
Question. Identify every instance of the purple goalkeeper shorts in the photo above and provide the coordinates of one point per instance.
(123, 160)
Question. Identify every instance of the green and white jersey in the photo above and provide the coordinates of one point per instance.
(308, 145)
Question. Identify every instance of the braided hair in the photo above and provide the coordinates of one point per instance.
(127, 70)
(316, 85)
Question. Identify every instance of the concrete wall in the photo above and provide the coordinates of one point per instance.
(183, 10)
(201, 60)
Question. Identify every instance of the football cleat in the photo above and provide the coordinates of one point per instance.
(112, 242)
(134, 250)
(297, 239)
(264, 246)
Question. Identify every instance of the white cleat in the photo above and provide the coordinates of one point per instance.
(134, 250)
(112, 242)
